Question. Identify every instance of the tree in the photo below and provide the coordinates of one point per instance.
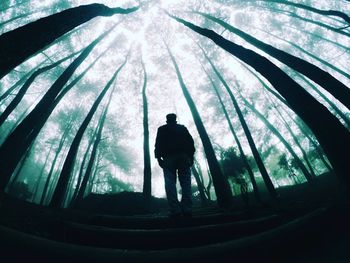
(147, 173)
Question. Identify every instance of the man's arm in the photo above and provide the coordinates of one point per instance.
(157, 149)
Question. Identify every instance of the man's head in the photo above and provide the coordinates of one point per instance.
(171, 118)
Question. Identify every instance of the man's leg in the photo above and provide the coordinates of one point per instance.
(170, 190)
(185, 182)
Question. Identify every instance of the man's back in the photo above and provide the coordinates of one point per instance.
(173, 138)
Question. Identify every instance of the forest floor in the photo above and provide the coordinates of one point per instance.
(48, 223)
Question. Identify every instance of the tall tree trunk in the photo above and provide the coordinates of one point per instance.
(68, 165)
(147, 174)
(19, 82)
(346, 48)
(26, 85)
(81, 170)
(27, 130)
(53, 164)
(323, 78)
(19, 169)
(267, 180)
(15, 47)
(333, 106)
(41, 174)
(293, 15)
(95, 142)
(221, 185)
(302, 50)
(332, 135)
(335, 13)
(242, 154)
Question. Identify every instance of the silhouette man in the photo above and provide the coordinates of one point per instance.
(174, 150)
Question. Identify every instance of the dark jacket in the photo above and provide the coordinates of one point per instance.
(172, 139)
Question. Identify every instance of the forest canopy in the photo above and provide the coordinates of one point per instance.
(265, 81)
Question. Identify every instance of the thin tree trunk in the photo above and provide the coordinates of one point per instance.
(221, 185)
(41, 174)
(68, 165)
(81, 170)
(336, 13)
(305, 157)
(19, 82)
(14, 103)
(331, 66)
(291, 14)
(332, 135)
(323, 78)
(15, 47)
(53, 164)
(147, 173)
(281, 99)
(302, 167)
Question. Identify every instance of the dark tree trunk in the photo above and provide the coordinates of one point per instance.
(68, 165)
(147, 174)
(15, 47)
(267, 180)
(332, 135)
(323, 78)
(221, 185)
